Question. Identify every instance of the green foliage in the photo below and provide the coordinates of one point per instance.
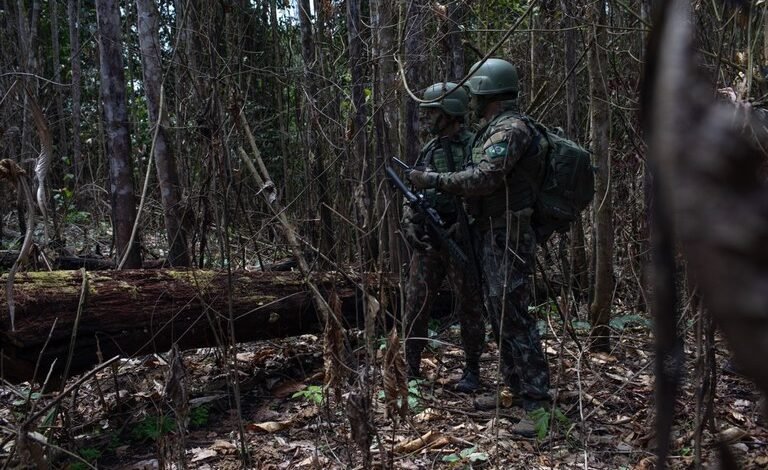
(547, 309)
(415, 398)
(313, 393)
(63, 199)
(152, 428)
(34, 396)
(632, 320)
(89, 454)
(466, 457)
(581, 325)
(541, 419)
(198, 417)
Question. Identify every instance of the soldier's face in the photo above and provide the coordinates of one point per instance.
(433, 120)
(477, 106)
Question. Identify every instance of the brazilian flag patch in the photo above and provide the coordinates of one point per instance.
(496, 150)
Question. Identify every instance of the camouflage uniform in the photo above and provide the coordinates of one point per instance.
(429, 267)
(499, 195)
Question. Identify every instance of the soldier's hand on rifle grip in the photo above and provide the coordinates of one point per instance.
(424, 179)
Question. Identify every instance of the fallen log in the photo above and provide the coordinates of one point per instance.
(137, 312)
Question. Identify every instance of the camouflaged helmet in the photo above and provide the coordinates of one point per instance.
(455, 104)
(493, 77)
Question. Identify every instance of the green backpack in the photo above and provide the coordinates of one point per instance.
(567, 186)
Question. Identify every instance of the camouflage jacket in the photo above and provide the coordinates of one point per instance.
(433, 158)
(503, 168)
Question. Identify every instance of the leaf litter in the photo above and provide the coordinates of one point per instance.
(604, 418)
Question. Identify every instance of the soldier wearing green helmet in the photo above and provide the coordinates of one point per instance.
(499, 192)
(444, 114)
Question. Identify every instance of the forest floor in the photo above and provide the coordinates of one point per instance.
(122, 419)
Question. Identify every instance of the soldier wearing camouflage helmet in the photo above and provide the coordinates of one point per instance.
(499, 193)
(430, 264)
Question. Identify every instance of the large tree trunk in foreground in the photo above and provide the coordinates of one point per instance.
(140, 311)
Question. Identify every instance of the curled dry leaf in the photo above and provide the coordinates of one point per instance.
(270, 426)
(430, 440)
(395, 387)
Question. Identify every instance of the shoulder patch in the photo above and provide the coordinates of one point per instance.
(496, 150)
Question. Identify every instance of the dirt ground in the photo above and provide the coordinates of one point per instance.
(125, 417)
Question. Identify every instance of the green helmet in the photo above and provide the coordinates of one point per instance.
(493, 77)
(455, 104)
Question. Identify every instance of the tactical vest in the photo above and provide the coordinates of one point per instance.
(518, 192)
(433, 157)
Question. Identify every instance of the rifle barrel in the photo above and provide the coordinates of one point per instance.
(401, 163)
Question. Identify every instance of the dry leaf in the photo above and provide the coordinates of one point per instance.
(395, 386)
(426, 440)
(602, 358)
(223, 446)
(270, 426)
(732, 434)
(430, 414)
(199, 454)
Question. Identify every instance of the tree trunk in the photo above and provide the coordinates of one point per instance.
(358, 134)
(415, 73)
(137, 312)
(456, 12)
(27, 30)
(55, 49)
(385, 98)
(600, 310)
(165, 163)
(318, 175)
(73, 12)
(579, 272)
(282, 111)
(117, 131)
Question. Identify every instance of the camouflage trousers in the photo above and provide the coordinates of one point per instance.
(426, 273)
(507, 259)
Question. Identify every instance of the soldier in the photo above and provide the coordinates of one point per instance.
(431, 262)
(499, 191)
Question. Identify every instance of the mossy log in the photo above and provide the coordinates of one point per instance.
(138, 312)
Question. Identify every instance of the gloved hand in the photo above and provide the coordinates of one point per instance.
(417, 237)
(424, 179)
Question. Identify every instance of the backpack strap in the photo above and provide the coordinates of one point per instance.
(534, 146)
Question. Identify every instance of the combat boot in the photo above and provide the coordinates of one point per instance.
(523, 428)
(469, 382)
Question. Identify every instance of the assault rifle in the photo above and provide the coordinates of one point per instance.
(436, 226)
(462, 219)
